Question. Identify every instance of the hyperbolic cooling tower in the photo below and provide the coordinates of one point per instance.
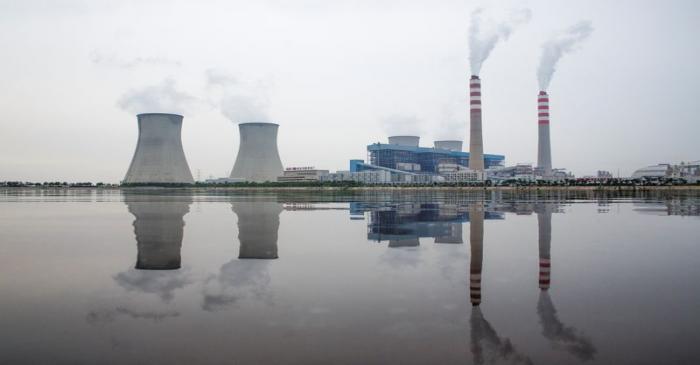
(411, 141)
(258, 223)
(451, 145)
(544, 151)
(476, 142)
(159, 157)
(258, 159)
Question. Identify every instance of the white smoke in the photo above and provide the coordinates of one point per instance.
(560, 45)
(237, 101)
(402, 125)
(163, 98)
(482, 41)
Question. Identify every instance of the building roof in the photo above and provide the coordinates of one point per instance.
(385, 146)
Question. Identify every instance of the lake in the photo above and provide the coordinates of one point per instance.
(163, 276)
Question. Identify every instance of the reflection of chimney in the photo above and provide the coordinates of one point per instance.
(258, 223)
(476, 142)
(544, 224)
(544, 151)
(476, 239)
(159, 228)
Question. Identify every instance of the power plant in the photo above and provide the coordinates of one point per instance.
(544, 151)
(159, 157)
(258, 159)
(476, 141)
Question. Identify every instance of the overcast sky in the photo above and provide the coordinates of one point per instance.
(337, 76)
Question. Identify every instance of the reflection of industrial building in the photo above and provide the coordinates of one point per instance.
(159, 157)
(258, 223)
(402, 224)
(291, 174)
(258, 159)
(159, 227)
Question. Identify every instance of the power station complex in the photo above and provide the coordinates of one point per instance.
(160, 159)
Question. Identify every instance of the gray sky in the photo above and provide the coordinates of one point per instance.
(336, 77)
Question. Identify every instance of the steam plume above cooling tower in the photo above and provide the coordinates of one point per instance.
(238, 101)
(482, 41)
(163, 97)
(557, 47)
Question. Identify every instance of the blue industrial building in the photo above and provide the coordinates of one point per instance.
(392, 156)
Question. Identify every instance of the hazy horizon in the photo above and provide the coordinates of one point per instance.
(337, 77)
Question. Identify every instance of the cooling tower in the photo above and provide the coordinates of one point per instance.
(449, 145)
(411, 141)
(544, 151)
(476, 240)
(476, 142)
(159, 157)
(258, 223)
(159, 227)
(258, 159)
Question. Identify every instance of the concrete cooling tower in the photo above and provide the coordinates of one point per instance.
(476, 141)
(411, 141)
(258, 223)
(452, 145)
(258, 159)
(544, 149)
(159, 157)
(159, 229)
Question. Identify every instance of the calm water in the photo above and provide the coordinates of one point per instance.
(152, 277)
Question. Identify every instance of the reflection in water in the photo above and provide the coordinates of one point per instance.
(487, 346)
(159, 229)
(258, 223)
(552, 328)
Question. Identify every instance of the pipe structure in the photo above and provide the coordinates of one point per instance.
(258, 159)
(476, 141)
(159, 157)
(544, 148)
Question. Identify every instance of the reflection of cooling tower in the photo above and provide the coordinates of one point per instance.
(258, 222)
(411, 141)
(476, 141)
(158, 227)
(476, 239)
(449, 145)
(159, 157)
(544, 224)
(455, 234)
(258, 159)
(544, 151)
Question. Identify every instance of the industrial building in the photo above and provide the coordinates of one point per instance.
(258, 159)
(159, 157)
(690, 171)
(292, 174)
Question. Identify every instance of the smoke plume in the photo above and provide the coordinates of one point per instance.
(560, 45)
(163, 98)
(401, 125)
(237, 101)
(482, 41)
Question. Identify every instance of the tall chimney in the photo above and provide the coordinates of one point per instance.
(476, 142)
(544, 151)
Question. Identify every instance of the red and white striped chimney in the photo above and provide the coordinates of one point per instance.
(476, 240)
(544, 149)
(544, 224)
(476, 142)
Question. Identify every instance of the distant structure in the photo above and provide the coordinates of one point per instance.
(159, 157)
(544, 149)
(476, 141)
(304, 173)
(258, 159)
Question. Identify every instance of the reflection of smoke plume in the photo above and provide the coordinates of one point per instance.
(163, 97)
(396, 125)
(161, 283)
(487, 347)
(555, 48)
(238, 279)
(98, 317)
(237, 102)
(556, 332)
(482, 42)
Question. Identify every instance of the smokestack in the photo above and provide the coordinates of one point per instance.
(258, 159)
(450, 145)
(476, 142)
(476, 240)
(544, 151)
(544, 225)
(159, 157)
